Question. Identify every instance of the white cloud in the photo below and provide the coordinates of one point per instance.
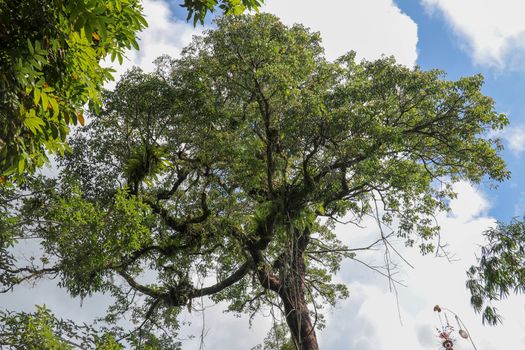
(519, 207)
(369, 318)
(515, 138)
(470, 204)
(221, 330)
(371, 28)
(494, 31)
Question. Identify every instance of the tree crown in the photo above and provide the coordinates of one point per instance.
(233, 164)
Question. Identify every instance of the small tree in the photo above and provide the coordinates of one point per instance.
(223, 174)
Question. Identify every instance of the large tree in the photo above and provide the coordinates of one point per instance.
(223, 173)
(500, 270)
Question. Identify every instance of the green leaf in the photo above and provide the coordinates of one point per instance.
(33, 122)
(21, 165)
(54, 105)
(36, 95)
(45, 100)
(134, 43)
(30, 46)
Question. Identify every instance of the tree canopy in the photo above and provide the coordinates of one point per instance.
(223, 173)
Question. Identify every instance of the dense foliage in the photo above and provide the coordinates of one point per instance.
(50, 53)
(223, 173)
(50, 68)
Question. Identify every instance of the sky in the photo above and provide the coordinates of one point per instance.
(460, 37)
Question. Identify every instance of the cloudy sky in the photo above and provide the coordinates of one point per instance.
(462, 38)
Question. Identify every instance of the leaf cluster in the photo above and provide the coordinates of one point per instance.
(50, 68)
(42, 330)
(198, 9)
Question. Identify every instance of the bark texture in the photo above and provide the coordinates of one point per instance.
(293, 295)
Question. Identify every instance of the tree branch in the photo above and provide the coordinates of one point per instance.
(227, 282)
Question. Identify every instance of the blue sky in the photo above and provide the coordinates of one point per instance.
(440, 47)
(461, 37)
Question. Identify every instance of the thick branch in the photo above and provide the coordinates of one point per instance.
(182, 293)
(167, 194)
(137, 286)
(229, 281)
(180, 225)
(32, 273)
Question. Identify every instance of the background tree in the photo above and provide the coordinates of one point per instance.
(501, 269)
(223, 174)
(50, 54)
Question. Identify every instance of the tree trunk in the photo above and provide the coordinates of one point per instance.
(292, 294)
(289, 285)
(298, 320)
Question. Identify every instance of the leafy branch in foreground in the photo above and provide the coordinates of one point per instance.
(50, 68)
(198, 9)
(223, 173)
(50, 53)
